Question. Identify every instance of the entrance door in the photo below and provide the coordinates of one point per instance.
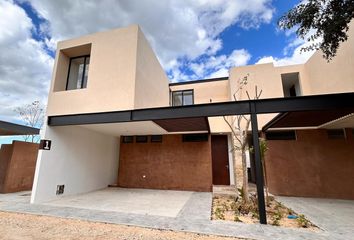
(220, 159)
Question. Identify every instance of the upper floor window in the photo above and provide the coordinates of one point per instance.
(183, 97)
(291, 84)
(78, 72)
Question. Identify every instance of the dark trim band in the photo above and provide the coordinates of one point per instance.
(261, 106)
(199, 81)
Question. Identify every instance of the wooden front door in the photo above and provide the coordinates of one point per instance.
(220, 159)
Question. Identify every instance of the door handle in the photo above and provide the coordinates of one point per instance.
(227, 166)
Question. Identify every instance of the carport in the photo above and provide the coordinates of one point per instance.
(310, 154)
(251, 107)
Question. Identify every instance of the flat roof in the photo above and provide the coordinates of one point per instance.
(200, 81)
(10, 129)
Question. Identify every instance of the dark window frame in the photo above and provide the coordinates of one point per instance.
(154, 140)
(335, 134)
(124, 140)
(281, 135)
(145, 139)
(83, 72)
(182, 91)
(197, 137)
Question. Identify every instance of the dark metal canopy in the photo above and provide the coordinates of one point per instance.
(9, 129)
(251, 107)
(260, 106)
(306, 118)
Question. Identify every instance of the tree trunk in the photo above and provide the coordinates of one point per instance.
(234, 161)
(265, 179)
(245, 177)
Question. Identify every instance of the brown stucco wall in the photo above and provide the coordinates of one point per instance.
(17, 166)
(312, 166)
(172, 164)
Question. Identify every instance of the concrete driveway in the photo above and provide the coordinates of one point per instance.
(187, 211)
(137, 201)
(331, 215)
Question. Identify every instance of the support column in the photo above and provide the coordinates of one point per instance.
(258, 168)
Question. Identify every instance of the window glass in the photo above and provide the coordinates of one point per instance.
(141, 139)
(86, 72)
(187, 97)
(280, 135)
(156, 138)
(195, 137)
(180, 98)
(336, 133)
(78, 72)
(177, 98)
(128, 139)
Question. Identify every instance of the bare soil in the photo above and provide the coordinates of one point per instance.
(15, 226)
(229, 209)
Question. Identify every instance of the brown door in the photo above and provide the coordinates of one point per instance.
(220, 159)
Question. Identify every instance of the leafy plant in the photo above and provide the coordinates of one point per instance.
(237, 219)
(302, 221)
(277, 216)
(219, 213)
(327, 19)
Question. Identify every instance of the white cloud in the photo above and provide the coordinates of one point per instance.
(213, 66)
(297, 55)
(175, 28)
(184, 34)
(25, 68)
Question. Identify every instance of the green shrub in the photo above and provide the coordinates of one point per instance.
(302, 221)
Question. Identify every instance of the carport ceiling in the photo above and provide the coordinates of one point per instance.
(10, 129)
(127, 128)
(307, 118)
(157, 127)
(184, 124)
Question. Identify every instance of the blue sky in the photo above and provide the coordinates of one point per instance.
(193, 39)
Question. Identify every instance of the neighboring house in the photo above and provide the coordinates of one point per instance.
(17, 160)
(96, 75)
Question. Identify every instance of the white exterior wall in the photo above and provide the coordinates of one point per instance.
(81, 159)
(231, 159)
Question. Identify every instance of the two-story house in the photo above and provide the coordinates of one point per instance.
(92, 146)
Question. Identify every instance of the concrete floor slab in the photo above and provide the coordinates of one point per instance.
(164, 203)
(23, 196)
(332, 215)
(195, 217)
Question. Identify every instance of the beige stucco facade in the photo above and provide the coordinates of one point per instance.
(316, 76)
(209, 92)
(124, 73)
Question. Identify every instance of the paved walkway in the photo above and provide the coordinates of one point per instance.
(193, 217)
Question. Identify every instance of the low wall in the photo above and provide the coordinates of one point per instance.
(171, 164)
(311, 166)
(17, 166)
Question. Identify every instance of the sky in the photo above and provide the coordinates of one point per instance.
(193, 39)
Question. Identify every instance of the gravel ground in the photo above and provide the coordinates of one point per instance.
(16, 226)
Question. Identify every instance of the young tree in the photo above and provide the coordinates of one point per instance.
(329, 18)
(239, 126)
(32, 115)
